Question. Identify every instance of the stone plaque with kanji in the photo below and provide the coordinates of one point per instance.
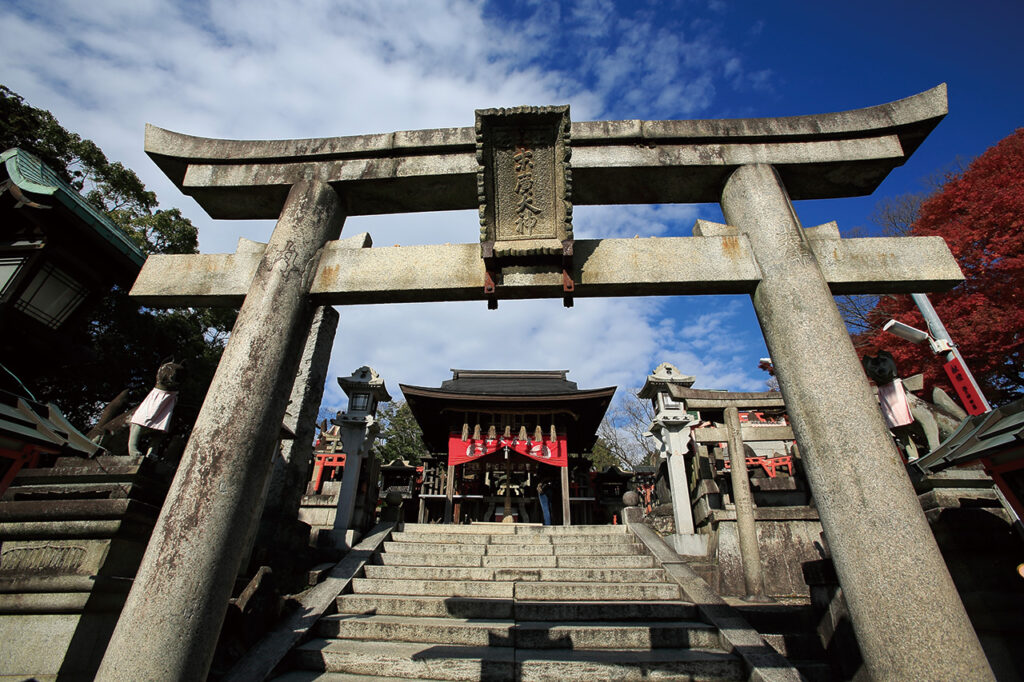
(524, 181)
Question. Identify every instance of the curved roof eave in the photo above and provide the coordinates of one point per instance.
(583, 394)
(31, 175)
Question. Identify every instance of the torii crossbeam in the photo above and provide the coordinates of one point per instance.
(878, 536)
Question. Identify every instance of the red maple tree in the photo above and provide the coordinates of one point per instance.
(980, 214)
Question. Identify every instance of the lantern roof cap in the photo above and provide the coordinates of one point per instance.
(362, 379)
(666, 374)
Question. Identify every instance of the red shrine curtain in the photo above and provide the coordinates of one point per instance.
(553, 452)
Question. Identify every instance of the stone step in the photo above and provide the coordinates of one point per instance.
(319, 676)
(428, 661)
(561, 531)
(589, 575)
(535, 529)
(571, 611)
(403, 660)
(516, 561)
(556, 591)
(586, 549)
(431, 548)
(529, 591)
(523, 540)
(585, 635)
(462, 528)
(470, 607)
(427, 606)
(528, 635)
(436, 588)
(384, 628)
(456, 539)
(563, 540)
(535, 665)
(435, 559)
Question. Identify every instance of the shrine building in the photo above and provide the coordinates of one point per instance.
(501, 433)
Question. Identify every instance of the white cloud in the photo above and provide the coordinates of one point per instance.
(308, 68)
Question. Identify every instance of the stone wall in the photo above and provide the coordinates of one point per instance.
(71, 539)
(787, 537)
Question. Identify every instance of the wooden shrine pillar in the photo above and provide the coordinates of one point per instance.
(449, 495)
(566, 520)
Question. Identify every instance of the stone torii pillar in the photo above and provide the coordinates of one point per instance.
(170, 623)
(871, 516)
(867, 507)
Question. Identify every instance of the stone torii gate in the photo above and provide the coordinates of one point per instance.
(514, 167)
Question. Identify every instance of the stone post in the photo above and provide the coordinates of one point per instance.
(671, 428)
(743, 502)
(171, 620)
(278, 535)
(292, 471)
(906, 612)
(356, 437)
(675, 441)
(672, 433)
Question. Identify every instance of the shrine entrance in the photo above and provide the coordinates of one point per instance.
(503, 434)
(523, 169)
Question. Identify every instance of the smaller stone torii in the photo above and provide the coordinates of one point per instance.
(514, 167)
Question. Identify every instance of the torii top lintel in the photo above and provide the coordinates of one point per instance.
(821, 156)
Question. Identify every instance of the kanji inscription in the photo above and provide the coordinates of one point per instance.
(524, 180)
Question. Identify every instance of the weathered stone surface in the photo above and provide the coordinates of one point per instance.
(72, 537)
(524, 180)
(743, 501)
(761, 661)
(827, 155)
(877, 533)
(313, 603)
(169, 627)
(785, 544)
(749, 434)
(278, 540)
(605, 267)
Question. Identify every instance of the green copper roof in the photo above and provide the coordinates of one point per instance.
(32, 175)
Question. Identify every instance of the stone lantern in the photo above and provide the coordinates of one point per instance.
(671, 431)
(358, 424)
(365, 390)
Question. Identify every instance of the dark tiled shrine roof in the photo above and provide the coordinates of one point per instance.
(508, 382)
(439, 411)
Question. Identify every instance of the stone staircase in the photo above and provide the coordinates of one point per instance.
(513, 602)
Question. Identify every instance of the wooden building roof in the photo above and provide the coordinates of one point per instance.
(526, 397)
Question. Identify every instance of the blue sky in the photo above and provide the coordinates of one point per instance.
(306, 68)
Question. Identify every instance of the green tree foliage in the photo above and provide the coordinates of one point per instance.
(980, 214)
(400, 436)
(115, 345)
(603, 457)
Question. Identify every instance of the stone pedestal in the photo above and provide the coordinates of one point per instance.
(357, 435)
(690, 544)
(672, 433)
